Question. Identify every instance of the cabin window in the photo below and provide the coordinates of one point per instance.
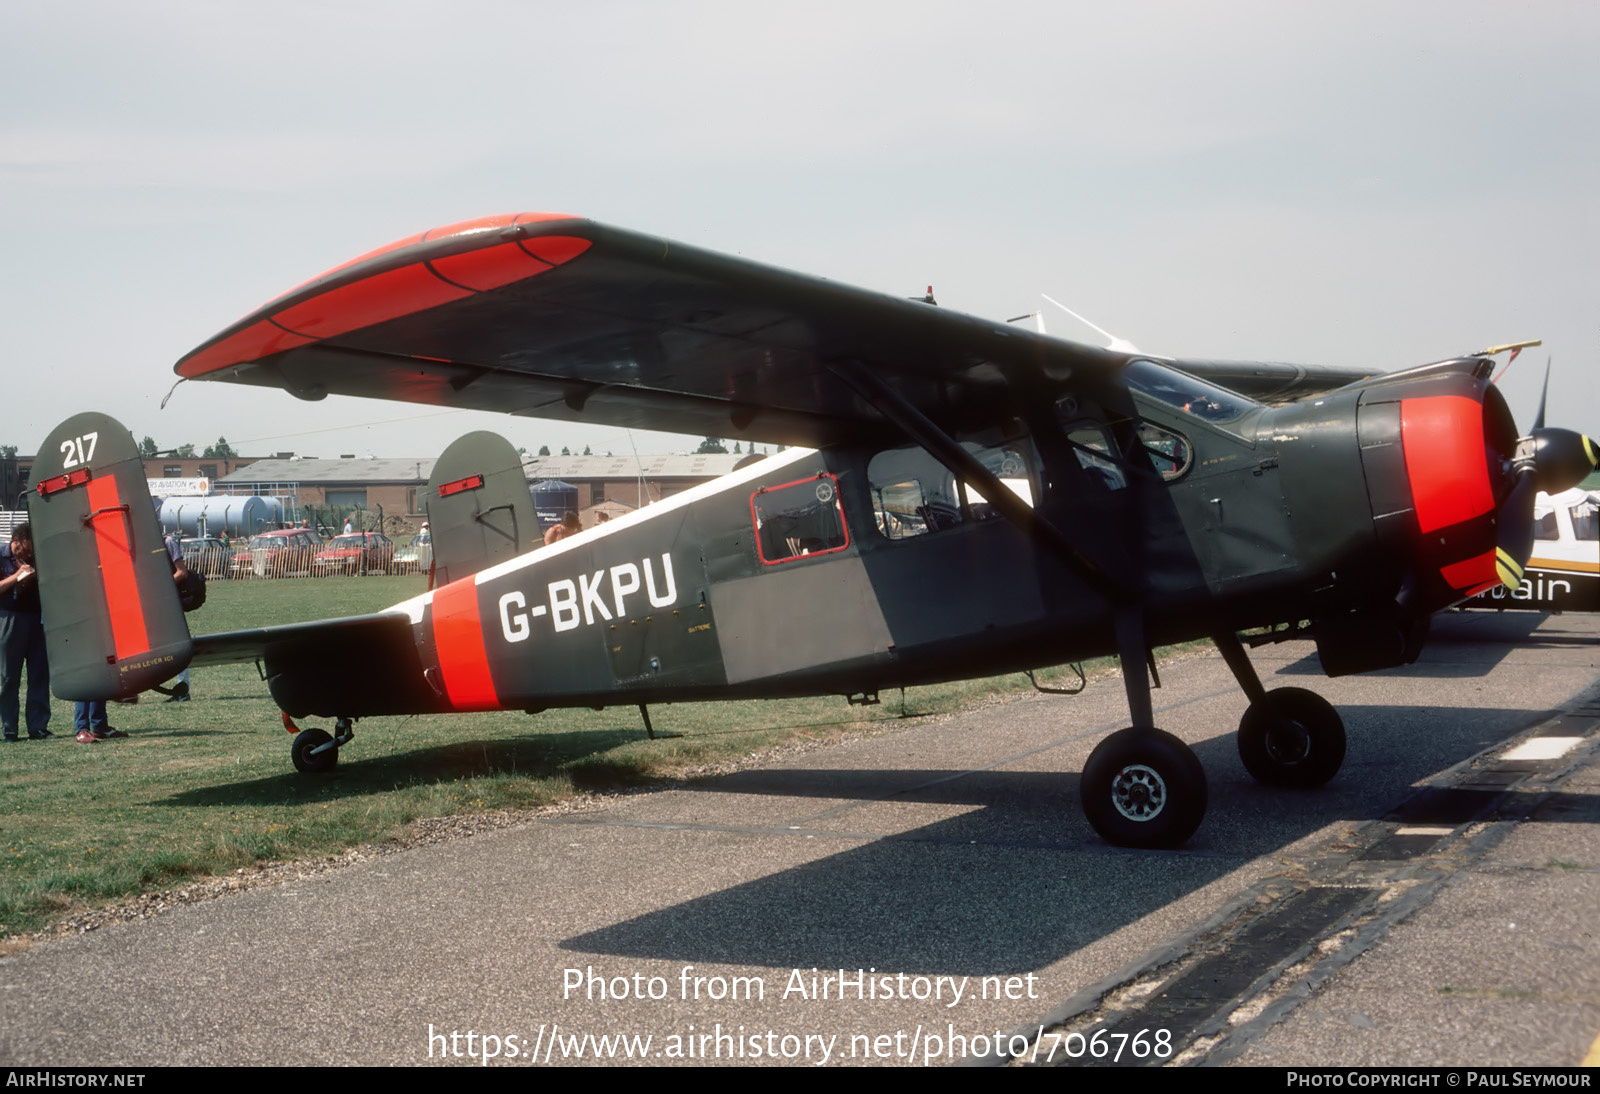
(1546, 527)
(798, 519)
(1586, 522)
(914, 494)
(1097, 454)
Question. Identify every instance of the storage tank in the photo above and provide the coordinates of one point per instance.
(551, 500)
(236, 514)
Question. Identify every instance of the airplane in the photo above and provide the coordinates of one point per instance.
(1563, 574)
(964, 498)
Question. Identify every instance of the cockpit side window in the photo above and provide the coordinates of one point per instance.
(1169, 452)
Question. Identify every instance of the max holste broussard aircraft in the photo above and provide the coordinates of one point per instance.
(970, 498)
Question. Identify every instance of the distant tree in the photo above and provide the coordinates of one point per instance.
(522, 451)
(222, 450)
(711, 444)
(781, 447)
(565, 451)
(586, 451)
(147, 448)
(544, 450)
(608, 454)
(185, 452)
(8, 451)
(735, 448)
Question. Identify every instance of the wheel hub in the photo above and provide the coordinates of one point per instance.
(1288, 742)
(1139, 792)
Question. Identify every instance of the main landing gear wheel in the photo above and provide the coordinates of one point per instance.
(1143, 788)
(300, 752)
(1292, 738)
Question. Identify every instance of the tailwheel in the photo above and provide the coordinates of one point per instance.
(1292, 737)
(307, 759)
(1144, 788)
(314, 752)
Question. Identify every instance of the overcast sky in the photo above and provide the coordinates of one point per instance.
(1346, 183)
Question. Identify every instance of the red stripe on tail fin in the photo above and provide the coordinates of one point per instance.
(109, 521)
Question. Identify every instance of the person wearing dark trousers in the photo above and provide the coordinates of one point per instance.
(22, 639)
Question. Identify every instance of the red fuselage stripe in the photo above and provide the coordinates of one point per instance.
(1442, 436)
(110, 525)
(458, 636)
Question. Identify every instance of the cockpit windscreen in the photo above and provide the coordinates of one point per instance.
(1188, 393)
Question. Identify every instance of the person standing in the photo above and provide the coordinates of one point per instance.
(89, 719)
(179, 692)
(569, 526)
(22, 639)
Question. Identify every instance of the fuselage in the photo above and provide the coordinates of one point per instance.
(853, 569)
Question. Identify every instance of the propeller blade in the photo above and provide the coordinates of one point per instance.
(1516, 530)
(1538, 421)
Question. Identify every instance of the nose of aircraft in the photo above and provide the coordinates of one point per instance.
(1551, 460)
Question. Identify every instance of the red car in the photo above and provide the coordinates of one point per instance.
(357, 552)
(275, 554)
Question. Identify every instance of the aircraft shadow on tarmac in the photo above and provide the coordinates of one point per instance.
(1467, 644)
(1018, 880)
(541, 755)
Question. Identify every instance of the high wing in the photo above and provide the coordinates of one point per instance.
(553, 316)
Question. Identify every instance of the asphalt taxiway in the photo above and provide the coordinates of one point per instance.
(933, 895)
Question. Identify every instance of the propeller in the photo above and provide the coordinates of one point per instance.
(1548, 460)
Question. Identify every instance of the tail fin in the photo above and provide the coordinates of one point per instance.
(479, 509)
(113, 623)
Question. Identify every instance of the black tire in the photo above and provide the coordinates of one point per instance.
(1292, 738)
(304, 761)
(1143, 788)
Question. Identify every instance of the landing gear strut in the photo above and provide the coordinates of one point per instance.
(1290, 737)
(1142, 787)
(314, 752)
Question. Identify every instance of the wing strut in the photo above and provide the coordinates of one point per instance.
(966, 467)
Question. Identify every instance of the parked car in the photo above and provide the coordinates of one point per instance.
(275, 554)
(358, 552)
(206, 555)
(415, 556)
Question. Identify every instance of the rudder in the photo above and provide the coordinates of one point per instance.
(113, 622)
(479, 510)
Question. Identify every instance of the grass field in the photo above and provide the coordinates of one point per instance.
(206, 787)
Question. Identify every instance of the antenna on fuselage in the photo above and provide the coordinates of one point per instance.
(1036, 316)
(1119, 345)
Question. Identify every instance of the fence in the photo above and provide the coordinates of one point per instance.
(239, 561)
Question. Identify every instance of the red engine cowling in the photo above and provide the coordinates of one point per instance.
(1436, 445)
